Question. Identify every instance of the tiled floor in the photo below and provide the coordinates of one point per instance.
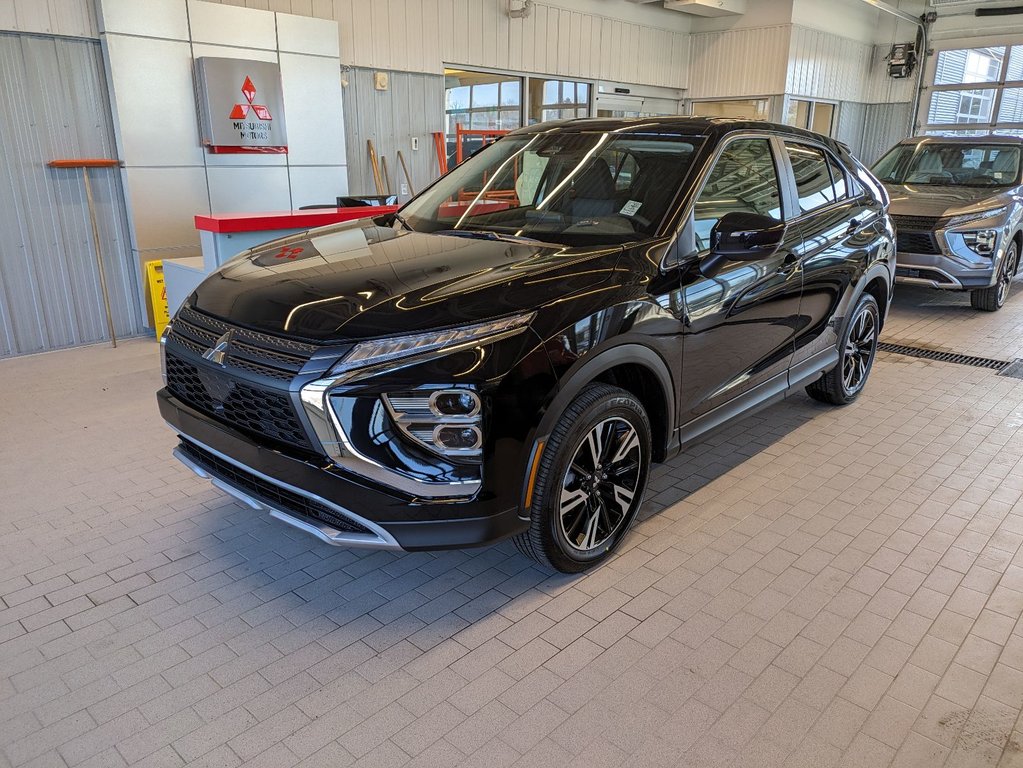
(824, 587)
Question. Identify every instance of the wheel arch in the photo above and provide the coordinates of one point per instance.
(635, 368)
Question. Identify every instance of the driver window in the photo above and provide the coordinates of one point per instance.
(743, 179)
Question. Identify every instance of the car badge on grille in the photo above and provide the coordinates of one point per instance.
(218, 352)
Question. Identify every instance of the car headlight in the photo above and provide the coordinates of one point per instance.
(982, 241)
(965, 218)
(383, 351)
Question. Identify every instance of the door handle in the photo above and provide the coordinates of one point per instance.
(854, 225)
(789, 264)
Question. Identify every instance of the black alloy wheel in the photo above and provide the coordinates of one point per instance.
(993, 298)
(856, 350)
(590, 481)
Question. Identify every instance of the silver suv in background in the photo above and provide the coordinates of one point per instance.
(957, 207)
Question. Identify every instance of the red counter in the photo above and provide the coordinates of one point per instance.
(225, 223)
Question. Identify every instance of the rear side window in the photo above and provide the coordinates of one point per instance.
(837, 178)
(813, 179)
(743, 179)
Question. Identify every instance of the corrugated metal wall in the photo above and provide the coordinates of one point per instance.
(75, 18)
(883, 126)
(423, 35)
(827, 66)
(53, 104)
(413, 105)
(738, 63)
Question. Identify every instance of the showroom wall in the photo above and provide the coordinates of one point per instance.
(53, 105)
(150, 49)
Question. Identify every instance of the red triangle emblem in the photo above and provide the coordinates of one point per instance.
(249, 89)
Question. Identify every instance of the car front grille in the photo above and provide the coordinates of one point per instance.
(246, 406)
(268, 492)
(916, 242)
(917, 223)
(260, 353)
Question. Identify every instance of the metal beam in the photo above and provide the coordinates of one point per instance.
(882, 6)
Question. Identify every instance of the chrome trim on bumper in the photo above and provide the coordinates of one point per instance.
(952, 284)
(378, 539)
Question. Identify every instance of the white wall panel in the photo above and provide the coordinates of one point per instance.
(147, 78)
(224, 25)
(163, 202)
(246, 189)
(307, 35)
(154, 18)
(742, 62)
(313, 110)
(317, 185)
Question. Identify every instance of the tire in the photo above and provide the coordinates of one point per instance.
(579, 514)
(856, 350)
(993, 298)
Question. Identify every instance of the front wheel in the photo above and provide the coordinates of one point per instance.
(993, 298)
(856, 350)
(590, 482)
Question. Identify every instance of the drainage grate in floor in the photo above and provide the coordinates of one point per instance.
(944, 356)
(1013, 369)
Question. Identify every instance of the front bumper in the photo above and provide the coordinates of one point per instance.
(319, 499)
(939, 271)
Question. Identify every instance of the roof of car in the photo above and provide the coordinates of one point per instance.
(989, 138)
(675, 124)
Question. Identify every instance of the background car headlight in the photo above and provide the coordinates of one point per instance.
(982, 241)
(964, 218)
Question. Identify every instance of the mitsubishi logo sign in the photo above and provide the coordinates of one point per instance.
(241, 111)
(241, 105)
(218, 352)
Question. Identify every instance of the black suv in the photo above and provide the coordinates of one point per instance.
(508, 354)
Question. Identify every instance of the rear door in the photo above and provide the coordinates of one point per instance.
(834, 216)
(739, 330)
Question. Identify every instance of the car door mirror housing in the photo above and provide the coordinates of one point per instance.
(745, 236)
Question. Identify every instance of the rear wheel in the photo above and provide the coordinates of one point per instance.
(591, 480)
(993, 298)
(843, 383)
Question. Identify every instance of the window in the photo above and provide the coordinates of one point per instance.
(568, 187)
(557, 99)
(936, 163)
(977, 91)
(837, 177)
(813, 179)
(482, 100)
(743, 179)
(817, 116)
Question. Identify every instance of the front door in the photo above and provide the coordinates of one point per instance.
(740, 318)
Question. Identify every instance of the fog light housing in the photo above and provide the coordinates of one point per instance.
(446, 421)
(458, 437)
(983, 241)
(455, 402)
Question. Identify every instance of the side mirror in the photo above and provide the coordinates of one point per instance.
(744, 236)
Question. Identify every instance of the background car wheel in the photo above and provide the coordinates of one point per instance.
(991, 299)
(857, 347)
(591, 480)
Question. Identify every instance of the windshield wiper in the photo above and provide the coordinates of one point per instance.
(486, 234)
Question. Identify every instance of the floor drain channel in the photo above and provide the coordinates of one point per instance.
(943, 356)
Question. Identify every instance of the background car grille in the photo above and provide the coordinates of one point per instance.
(270, 493)
(915, 234)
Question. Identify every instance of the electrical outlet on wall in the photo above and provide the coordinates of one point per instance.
(404, 188)
(415, 143)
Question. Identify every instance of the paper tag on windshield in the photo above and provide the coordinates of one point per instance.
(630, 208)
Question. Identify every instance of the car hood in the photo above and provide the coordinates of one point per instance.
(930, 200)
(358, 280)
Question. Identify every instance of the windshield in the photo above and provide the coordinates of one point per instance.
(950, 165)
(579, 188)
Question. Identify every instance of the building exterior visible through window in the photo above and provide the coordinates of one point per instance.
(977, 91)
